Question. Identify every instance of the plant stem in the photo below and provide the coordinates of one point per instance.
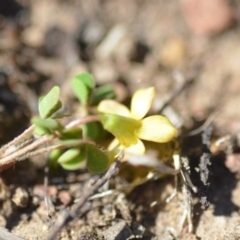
(49, 148)
(18, 139)
(81, 121)
(27, 151)
(23, 151)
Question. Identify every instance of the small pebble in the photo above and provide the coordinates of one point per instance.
(39, 190)
(21, 197)
(207, 17)
(173, 52)
(233, 162)
(104, 72)
(33, 36)
(64, 197)
(3, 221)
(111, 42)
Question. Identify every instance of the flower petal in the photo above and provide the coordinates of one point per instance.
(123, 128)
(157, 129)
(114, 144)
(141, 102)
(138, 148)
(111, 106)
(115, 149)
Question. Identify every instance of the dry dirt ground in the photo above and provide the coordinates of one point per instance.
(130, 44)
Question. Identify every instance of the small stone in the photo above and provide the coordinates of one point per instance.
(3, 221)
(52, 190)
(119, 230)
(125, 51)
(233, 163)
(64, 197)
(33, 36)
(21, 197)
(104, 72)
(91, 32)
(43, 209)
(45, 228)
(173, 53)
(39, 190)
(54, 42)
(88, 236)
(110, 42)
(207, 17)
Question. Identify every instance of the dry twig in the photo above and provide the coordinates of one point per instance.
(6, 235)
(67, 216)
(203, 166)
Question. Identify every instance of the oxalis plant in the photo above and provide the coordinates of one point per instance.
(77, 143)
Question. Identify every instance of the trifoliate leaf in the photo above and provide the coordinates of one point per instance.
(49, 103)
(82, 86)
(97, 160)
(101, 93)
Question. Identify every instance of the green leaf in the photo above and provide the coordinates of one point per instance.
(103, 92)
(41, 131)
(93, 130)
(74, 164)
(69, 155)
(49, 103)
(55, 154)
(53, 157)
(87, 79)
(47, 124)
(72, 159)
(71, 133)
(97, 160)
(68, 143)
(59, 115)
(82, 86)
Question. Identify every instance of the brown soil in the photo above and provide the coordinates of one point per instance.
(45, 43)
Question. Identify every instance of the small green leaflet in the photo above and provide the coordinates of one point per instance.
(72, 159)
(97, 160)
(49, 103)
(82, 86)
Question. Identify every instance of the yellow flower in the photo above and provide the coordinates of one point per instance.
(129, 126)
